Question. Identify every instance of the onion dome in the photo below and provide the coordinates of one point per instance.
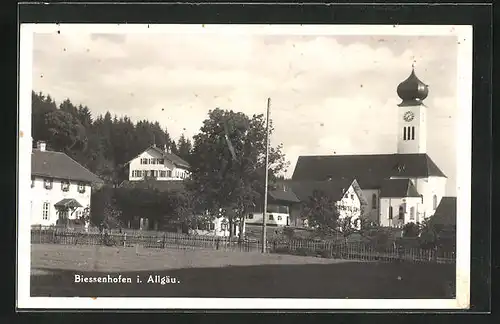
(412, 91)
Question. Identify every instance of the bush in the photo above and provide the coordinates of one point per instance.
(288, 233)
(304, 252)
(325, 253)
(381, 241)
(408, 242)
(411, 230)
(428, 240)
(282, 250)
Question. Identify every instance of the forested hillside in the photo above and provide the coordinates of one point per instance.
(102, 143)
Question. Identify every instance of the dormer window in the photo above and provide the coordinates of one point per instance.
(400, 168)
(81, 187)
(47, 184)
(65, 185)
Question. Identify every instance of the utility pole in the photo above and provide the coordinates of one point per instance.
(264, 213)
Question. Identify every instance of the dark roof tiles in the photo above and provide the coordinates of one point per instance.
(171, 157)
(68, 203)
(398, 188)
(334, 188)
(58, 165)
(446, 212)
(369, 170)
(284, 196)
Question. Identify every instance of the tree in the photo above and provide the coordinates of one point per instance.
(222, 181)
(66, 132)
(184, 148)
(321, 213)
(182, 208)
(41, 106)
(68, 107)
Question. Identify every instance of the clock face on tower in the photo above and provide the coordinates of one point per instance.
(408, 116)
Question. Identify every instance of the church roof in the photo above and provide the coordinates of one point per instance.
(446, 212)
(398, 188)
(369, 170)
(332, 188)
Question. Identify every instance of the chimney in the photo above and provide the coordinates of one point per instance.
(41, 145)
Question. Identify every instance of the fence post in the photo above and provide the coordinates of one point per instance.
(124, 239)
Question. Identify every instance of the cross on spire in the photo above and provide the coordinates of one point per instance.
(413, 63)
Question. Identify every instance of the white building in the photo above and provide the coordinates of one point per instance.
(406, 185)
(348, 196)
(218, 226)
(280, 203)
(157, 163)
(60, 187)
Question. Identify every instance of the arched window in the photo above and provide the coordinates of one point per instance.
(390, 212)
(412, 213)
(434, 202)
(374, 201)
(413, 132)
(401, 212)
(404, 133)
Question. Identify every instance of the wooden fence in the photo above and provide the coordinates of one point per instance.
(153, 240)
(165, 240)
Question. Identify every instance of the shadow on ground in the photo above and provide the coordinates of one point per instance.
(343, 280)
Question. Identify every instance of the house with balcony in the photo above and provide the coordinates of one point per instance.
(60, 187)
(158, 163)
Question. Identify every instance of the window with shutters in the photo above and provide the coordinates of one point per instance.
(46, 211)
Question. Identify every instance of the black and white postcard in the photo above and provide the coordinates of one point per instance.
(245, 166)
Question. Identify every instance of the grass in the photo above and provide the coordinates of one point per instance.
(208, 273)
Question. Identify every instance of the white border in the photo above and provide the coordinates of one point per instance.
(464, 139)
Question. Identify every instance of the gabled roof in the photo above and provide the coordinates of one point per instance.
(176, 160)
(398, 188)
(160, 185)
(283, 196)
(58, 165)
(68, 203)
(369, 169)
(446, 212)
(332, 188)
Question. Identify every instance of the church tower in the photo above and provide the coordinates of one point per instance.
(412, 119)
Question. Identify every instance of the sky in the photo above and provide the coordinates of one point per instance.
(330, 94)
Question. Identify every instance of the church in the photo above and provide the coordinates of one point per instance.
(406, 186)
